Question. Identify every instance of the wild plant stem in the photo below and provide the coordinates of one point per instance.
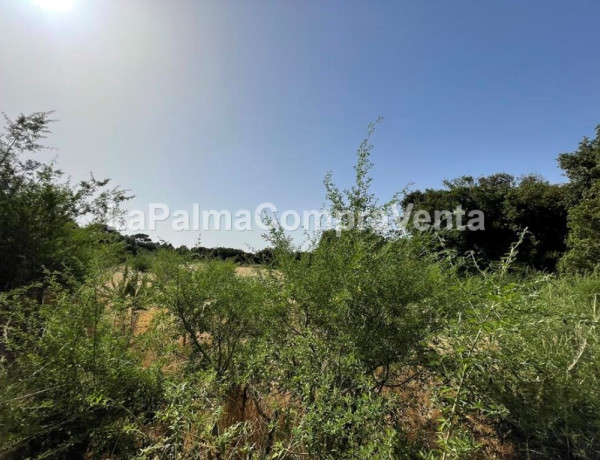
(458, 390)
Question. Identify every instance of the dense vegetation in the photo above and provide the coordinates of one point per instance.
(374, 344)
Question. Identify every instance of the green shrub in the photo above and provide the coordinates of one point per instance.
(523, 354)
(73, 384)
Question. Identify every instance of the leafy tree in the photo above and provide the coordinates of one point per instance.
(509, 205)
(540, 207)
(39, 227)
(582, 167)
(584, 234)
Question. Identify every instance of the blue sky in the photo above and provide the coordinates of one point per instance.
(233, 103)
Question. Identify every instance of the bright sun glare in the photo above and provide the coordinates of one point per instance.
(55, 5)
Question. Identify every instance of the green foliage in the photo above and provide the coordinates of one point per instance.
(584, 235)
(583, 169)
(76, 383)
(316, 354)
(522, 354)
(38, 223)
(140, 262)
(509, 206)
(216, 308)
(341, 415)
(549, 372)
(381, 296)
(193, 407)
(354, 313)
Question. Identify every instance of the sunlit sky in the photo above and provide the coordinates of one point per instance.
(233, 103)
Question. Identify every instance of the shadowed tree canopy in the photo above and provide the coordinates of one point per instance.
(510, 205)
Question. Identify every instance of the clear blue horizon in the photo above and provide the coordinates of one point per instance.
(231, 104)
